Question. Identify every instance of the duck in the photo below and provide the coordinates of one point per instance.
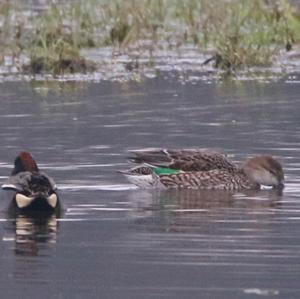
(33, 189)
(201, 169)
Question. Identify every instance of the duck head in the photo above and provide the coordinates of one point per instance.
(264, 170)
(24, 162)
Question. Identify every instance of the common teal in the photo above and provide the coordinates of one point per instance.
(201, 169)
(34, 190)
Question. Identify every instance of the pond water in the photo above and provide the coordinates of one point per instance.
(114, 241)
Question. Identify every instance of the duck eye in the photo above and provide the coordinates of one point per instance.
(273, 172)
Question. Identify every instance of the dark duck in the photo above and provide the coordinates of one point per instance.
(34, 190)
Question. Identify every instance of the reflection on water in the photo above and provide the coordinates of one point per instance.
(45, 88)
(119, 242)
(193, 201)
(32, 232)
(187, 211)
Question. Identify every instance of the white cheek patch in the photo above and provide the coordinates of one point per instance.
(142, 181)
(23, 201)
(52, 200)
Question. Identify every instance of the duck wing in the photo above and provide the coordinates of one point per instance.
(52, 184)
(186, 160)
(28, 181)
(18, 182)
(137, 170)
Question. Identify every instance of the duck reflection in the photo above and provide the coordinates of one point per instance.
(194, 200)
(33, 230)
(189, 210)
(189, 200)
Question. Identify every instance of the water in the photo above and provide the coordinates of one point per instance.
(113, 241)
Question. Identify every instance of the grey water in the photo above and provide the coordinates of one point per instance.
(114, 241)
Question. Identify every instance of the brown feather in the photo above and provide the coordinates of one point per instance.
(186, 160)
(24, 162)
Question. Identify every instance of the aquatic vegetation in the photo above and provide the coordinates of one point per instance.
(55, 46)
(57, 58)
(11, 31)
(45, 89)
(241, 33)
(238, 34)
(130, 21)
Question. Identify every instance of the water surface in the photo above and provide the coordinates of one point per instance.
(114, 241)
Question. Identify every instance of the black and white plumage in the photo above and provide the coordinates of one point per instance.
(33, 189)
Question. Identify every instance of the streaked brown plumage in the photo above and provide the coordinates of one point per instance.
(219, 179)
(198, 169)
(186, 160)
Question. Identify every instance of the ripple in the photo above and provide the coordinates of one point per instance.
(113, 187)
(262, 292)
